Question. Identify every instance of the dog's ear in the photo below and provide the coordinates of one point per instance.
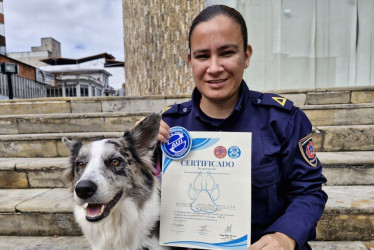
(69, 144)
(146, 132)
(74, 147)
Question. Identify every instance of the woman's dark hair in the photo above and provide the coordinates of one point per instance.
(216, 10)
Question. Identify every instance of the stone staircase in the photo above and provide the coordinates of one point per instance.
(36, 206)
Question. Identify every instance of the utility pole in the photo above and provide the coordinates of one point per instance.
(9, 69)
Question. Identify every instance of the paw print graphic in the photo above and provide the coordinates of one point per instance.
(204, 192)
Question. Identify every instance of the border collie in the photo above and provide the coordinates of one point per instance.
(116, 194)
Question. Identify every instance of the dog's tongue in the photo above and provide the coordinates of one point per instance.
(93, 209)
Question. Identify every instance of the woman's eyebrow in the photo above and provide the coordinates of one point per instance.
(200, 51)
(224, 47)
(228, 46)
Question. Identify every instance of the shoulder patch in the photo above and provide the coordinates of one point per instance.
(306, 147)
(281, 100)
(275, 101)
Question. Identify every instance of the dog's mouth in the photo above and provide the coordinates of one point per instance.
(96, 211)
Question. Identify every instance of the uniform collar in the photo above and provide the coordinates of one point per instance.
(199, 114)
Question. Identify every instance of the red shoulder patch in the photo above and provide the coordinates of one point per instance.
(307, 150)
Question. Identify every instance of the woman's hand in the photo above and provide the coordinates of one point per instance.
(163, 133)
(275, 241)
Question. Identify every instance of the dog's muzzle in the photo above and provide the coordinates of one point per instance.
(94, 211)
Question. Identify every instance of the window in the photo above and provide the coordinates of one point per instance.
(84, 90)
(54, 92)
(71, 91)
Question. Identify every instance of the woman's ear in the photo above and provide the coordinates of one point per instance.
(248, 54)
(189, 58)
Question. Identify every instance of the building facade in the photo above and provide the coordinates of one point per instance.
(2, 29)
(84, 77)
(296, 43)
(26, 83)
(49, 48)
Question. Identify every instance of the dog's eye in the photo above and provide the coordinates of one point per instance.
(115, 162)
(79, 164)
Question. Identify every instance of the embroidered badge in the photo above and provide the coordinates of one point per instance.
(179, 144)
(307, 150)
(280, 100)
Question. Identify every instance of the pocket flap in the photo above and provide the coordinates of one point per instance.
(265, 175)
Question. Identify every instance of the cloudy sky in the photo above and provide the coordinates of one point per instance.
(83, 27)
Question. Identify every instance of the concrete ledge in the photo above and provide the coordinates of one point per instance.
(340, 245)
(344, 138)
(326, 139)
(157, 103)
(49, 212)
(340, 168)
(44, 243)
(79, 242)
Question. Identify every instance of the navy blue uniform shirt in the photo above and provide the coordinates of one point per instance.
(286, 174)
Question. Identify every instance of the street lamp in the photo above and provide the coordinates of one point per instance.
(9, 69)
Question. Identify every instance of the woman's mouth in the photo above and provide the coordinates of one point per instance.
(216, 81)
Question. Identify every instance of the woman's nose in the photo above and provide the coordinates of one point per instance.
(214, 66)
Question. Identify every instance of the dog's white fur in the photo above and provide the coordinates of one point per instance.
(125, 227)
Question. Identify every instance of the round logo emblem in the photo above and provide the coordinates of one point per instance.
(220, 152)
(310, 150)
(179, 144)
(234, 152)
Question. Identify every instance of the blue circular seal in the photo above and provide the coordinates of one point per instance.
(234, 152)
(179, 144)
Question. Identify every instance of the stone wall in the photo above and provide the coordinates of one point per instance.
(156, 46)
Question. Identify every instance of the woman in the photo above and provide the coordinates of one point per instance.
(286, 175)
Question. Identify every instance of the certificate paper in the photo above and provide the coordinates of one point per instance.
(206, 196)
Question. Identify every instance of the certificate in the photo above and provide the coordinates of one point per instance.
(206, 194)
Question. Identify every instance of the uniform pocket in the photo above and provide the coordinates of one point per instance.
(267, 199)
(270, 143)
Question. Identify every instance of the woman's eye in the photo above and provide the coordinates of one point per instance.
(115, 162)
(227, 53)
(201, 57)
(79, 164)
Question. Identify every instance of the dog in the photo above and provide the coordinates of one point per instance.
(116, 194)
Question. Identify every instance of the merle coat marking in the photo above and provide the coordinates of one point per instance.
(117, 196)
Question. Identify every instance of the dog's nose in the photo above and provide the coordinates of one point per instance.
(85, 189)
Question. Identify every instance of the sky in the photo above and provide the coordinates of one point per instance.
(83, 27)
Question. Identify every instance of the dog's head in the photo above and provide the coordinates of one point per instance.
(103, 172)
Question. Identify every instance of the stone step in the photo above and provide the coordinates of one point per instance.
(45, 145)
(88, 105)
(325, 138)
(344, 138)
(48, 212)
(44, 243)
(68, 123)
(322, 96)
(348, 168)
(342, 114)
(79, 242)
(342, 245)
(340, 168)
(320, 115)
(32, 172)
